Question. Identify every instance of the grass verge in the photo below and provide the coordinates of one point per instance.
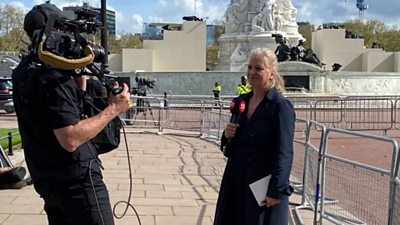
(16, 139)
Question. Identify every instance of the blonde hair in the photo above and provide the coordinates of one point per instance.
(271, 62)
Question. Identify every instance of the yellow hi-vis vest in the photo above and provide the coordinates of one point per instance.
(243, 89)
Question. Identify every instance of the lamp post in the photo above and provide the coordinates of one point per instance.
(195, 8)
(104, 63)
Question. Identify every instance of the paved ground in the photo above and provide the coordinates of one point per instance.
(175, 180)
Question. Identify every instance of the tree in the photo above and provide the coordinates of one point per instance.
(376, 31)
(12, 34)
(212, 52)
(128, 40)
(306, 30)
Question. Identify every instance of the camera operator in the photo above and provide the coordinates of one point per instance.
(63, 163)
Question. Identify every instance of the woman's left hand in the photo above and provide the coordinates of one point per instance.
(269, 202)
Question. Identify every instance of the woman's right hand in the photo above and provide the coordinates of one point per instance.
(230, 130)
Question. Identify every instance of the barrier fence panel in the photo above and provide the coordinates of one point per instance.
(359, 192)
(329, 112)
(146, 112)
(215, 119)
(368, 114)
(185, 114)
(303, 108)
(311, 179)
(395, 219)
(397, 114)
(297, 172)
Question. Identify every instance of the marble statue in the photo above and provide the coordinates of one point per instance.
(239, 57)
(233, 15)
(288, 11)
(278, 22)
(268, 10)
(256, 23)
(252, 24)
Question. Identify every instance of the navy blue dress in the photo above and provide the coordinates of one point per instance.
(263, 145)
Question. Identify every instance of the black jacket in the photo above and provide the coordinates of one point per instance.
(263, 145)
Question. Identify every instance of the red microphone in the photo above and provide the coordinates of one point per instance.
(237, 107)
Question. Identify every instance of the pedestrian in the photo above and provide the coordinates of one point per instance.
(261, 145)
(243, 87)
(216, 91)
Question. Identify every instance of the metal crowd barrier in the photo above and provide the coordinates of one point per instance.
(397, 114)
(369, 114)
(300, 141)
(314, 144)
(341, 190)
(361, 113)
(395, 213)
(215, 119)
(363, 193)
(145, 112)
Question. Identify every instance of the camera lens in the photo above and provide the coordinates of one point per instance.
(99, 53)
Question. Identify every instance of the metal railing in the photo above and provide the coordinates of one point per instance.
(395, 213)
(363, 193)
(361, 113)
(9, 136)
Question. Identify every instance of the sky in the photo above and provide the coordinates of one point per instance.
(132, 13)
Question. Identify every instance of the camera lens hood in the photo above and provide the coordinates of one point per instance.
(60, 62)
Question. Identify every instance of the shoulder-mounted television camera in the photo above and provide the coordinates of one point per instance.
(64, 40)
(143, 85)
(145, 81)
(57, 41)
(56, 36)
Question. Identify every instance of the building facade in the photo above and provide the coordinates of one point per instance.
(334, 46)
(179, 50)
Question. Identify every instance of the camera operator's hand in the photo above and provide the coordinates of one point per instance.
(120, 101)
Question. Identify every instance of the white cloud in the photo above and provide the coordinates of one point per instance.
(212, 13)
(136, 24)
(155, 19)
(162, 2)
(120, 16)
(186, 5)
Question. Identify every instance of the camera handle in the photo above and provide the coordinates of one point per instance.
(104, 80)
(116, 90)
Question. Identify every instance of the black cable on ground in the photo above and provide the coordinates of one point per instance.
(128, 202)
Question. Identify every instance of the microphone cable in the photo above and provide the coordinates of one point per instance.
(128, 202)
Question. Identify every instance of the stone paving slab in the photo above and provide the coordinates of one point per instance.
(175, 180)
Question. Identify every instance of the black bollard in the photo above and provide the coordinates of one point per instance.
(10, 147)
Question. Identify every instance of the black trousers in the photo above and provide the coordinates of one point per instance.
(84, 201)
(16, 174)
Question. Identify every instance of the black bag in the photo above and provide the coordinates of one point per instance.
(109, 138)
